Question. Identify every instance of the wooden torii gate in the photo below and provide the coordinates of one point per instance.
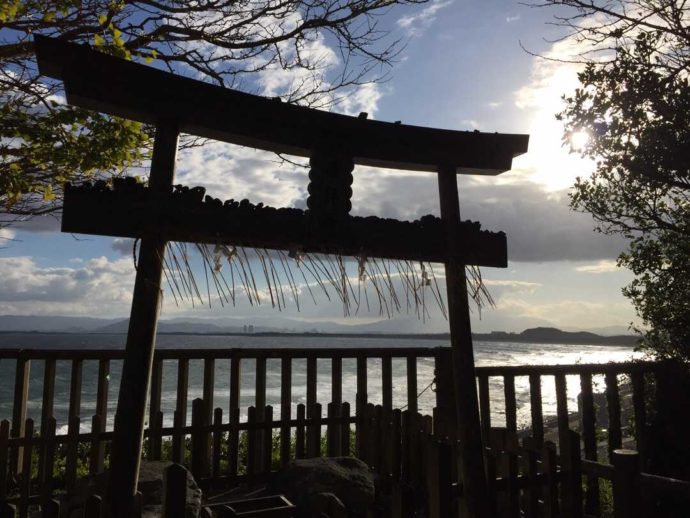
(176, 104)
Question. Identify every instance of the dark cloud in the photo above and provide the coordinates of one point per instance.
(540, 226)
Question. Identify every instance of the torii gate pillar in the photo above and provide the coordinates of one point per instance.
(464, 384)
(141, 340)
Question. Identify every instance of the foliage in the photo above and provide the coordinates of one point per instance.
(44, 143)
(634, 102)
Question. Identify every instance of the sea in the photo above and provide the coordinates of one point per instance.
(486, 354)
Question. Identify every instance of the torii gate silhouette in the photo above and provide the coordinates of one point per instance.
(176, 104)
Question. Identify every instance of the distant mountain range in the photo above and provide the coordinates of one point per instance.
(39, 324)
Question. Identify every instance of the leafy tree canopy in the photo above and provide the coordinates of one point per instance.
(44, 143)
(634, 103)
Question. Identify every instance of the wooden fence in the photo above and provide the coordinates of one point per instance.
(224, 449)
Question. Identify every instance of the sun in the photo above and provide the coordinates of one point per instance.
(579, 140)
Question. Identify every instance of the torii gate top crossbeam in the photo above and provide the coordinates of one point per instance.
(111, 85)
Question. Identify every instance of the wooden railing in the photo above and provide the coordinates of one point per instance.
(250, 424)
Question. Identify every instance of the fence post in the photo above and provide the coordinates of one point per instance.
(21, 396)
(626, 464)
(445, 395)
(573, 484)
(199, 440)
(174, 491)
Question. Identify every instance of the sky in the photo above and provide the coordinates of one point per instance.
(464, 68)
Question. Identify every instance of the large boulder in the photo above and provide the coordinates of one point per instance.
(150, 486)
(152, 491)
(349, 479)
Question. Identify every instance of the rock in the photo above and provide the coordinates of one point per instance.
(150, 486)
(348, 478)
(326, 504)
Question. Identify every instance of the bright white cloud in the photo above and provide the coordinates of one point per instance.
(6, 234)
(511, 19)
(29, 288)
(603, 266)
(548, 163)
(418, 22)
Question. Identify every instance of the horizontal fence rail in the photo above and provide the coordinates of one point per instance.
(236, 414)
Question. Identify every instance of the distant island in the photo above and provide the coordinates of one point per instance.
(545, 335)
(80, 325)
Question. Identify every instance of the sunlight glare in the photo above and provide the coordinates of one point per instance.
(579, 140)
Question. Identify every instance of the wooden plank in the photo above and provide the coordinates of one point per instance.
(200, 443)
(260, 386)
(154, 410)
(124, 88)
(529, 459)
(396, 445)
(387, 382)
(551, 507)
(48, 400)
(311, 385)
(25, 481)
(299, 432)
(217, 442)
(345, 430)
(72, 457)
(337, 380)
(267, 447)
(285, 408)
(314, 432)
(208, 387)
(182, 389)
(573, 481)
(47, 404)
(562, 411)
(235, 383)
(141, 337)
(536, 410)
(465, 389)
(102, 385)
(589, 438)
(412, 384)
(207, 391)
(4, 457)
(513, 499)
(614, 409)
(361, 404)
(405, 438)
(626, 485)
(97, 449)
(233, 443)
(510, 402)
(75, 388)
(21, 396)
(638, 385)
(251, 435)
(331, 431)
(178, 438)
(47, 459)
(446, 415)
(484, 404)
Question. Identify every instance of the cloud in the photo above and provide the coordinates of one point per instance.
(29, 288)
(539, 225)
(603, 266)
(418, 22)
(6, 234)
(495, 104)
(123, 245)
(511, 19)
